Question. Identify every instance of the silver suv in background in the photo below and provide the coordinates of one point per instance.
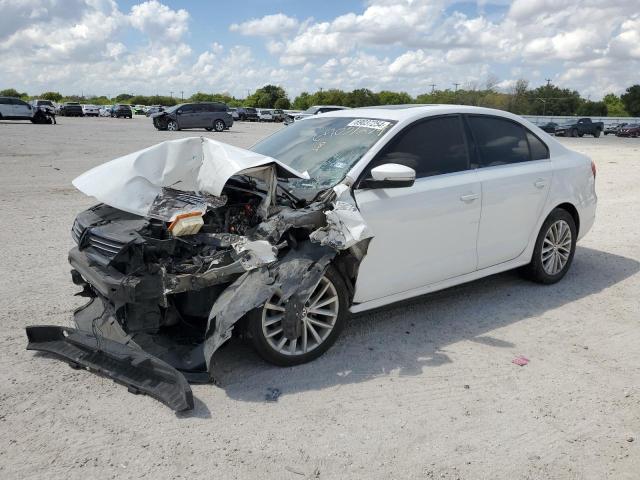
(207, 115)
(12, 108)
(315, 110)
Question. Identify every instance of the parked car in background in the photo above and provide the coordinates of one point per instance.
(315, 110)
(278, 115)
(12, 108)
(70, 109)
(234, 113)
(139, 109)
(631, 130)
(90, 110)
(122, 110)
(265, 115)
(207, 115)
(154, 109)
(549, 127)
(105, 110)
(583, 126)
(248, 114)
(46, 105)
(613, 128)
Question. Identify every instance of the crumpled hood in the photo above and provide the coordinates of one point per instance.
(195, 164)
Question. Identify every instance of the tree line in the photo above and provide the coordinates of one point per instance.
(520, 99)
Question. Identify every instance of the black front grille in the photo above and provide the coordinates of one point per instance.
(76, 232)
(106, 247)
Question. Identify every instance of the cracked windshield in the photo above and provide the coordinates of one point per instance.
(326, 148)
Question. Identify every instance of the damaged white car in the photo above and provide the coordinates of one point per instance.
(195, 240)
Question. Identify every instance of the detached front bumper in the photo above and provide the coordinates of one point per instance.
(134, 368)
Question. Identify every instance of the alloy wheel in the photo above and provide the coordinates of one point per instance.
(172, 126)
(318, 320)
(556, 247)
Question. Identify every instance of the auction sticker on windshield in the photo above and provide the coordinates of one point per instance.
(368, 123)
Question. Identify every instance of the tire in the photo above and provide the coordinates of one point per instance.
(573, 133)
(218, 125)
(172, 126)
(597, 134)
(266, 348)
(544, 269)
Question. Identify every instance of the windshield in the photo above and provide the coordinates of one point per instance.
(325, 147)
(311, 110)
(172, 109)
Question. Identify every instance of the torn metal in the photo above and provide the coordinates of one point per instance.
(178, 296)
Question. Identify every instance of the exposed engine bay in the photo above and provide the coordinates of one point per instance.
(169, 272)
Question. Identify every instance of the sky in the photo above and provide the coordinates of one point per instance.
(106, 47)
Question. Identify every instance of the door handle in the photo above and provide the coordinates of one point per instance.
(540, 183)
(469, 197)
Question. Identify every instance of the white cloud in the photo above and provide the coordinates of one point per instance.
(159, 21)
(269, 25)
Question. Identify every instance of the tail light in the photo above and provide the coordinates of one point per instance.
(593, 169)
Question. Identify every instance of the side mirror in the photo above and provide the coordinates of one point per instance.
(390, 175)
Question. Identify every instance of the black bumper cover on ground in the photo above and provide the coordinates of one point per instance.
(136, 369)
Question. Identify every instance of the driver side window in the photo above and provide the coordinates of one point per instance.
(431, 147)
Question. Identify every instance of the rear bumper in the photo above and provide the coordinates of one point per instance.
(129, 366)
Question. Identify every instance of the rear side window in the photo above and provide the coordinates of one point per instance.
(499, 141)
(431, 147)
(539, 151)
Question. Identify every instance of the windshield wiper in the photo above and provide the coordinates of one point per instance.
(291, 196)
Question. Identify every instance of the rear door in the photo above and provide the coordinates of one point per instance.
(425, 233)
(515, 173)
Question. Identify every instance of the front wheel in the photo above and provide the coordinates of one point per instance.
(554, 249)
(172, 125)
(573, 133)
(323, 317)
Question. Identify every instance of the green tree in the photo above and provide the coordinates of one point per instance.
(12, 92)
(614, 104)
(361, 97)
(53, 96)
(123, 98)
(265, 97)
(302, 101)
(631, 100)
(386, 97)
(589, 109)
(282, 104)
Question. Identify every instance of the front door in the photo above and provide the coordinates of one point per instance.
(425, 233)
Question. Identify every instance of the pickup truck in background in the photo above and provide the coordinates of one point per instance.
(582, 127)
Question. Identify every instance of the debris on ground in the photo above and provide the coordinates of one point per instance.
(520, 360)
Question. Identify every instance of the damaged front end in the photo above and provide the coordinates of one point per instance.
(192, 235)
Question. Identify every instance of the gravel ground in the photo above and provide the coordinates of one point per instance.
(425, 389)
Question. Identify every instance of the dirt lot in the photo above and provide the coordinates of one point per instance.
(424, 390)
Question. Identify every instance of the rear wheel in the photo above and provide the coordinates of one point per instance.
(554, 249)
(172, 125)
(323, 317)
(597, 134)
(218, 125)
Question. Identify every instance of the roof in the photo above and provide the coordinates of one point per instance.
(412, 111)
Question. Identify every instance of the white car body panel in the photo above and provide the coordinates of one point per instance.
(416, 249)
(194, 164)
(411, 251)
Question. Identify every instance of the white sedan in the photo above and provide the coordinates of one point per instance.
(90, 110)
(342, 212)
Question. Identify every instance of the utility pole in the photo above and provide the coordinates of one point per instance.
(433, 87)
(456, 87)
(171, 93)
(182, 94)
(548, 82)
